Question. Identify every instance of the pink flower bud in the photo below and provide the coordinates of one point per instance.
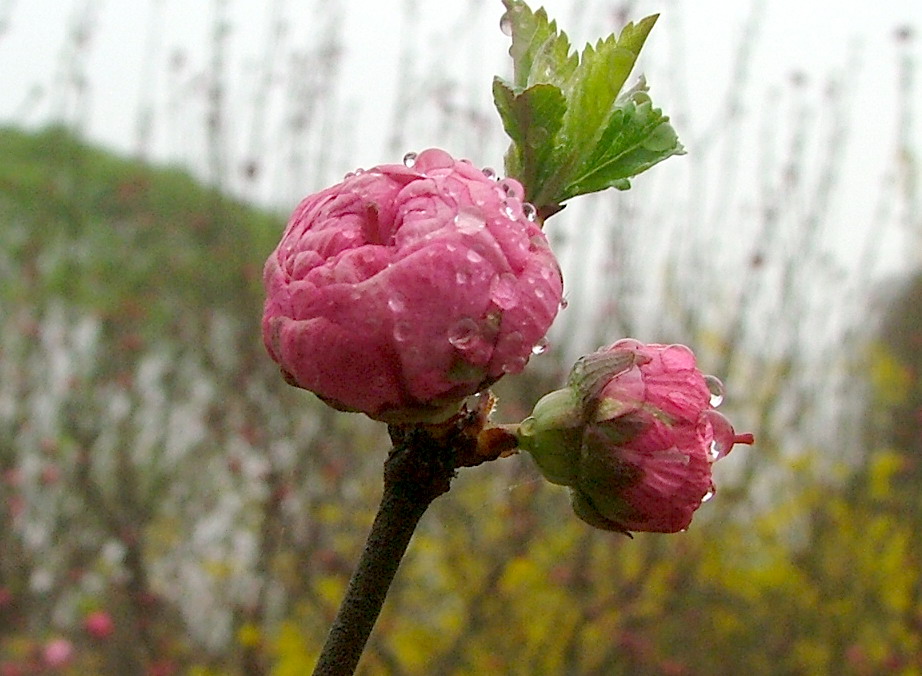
(99, 625)
(634, 435)
(404, 289)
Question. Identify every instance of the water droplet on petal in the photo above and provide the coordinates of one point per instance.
(462, 277)
(469, 220)
(474, 257)
(396, 304)
(409, 159)
(508, 210)
(463, 333)
(708, 495)
(723, 436)
(515, 365)
(489, 173)
(511, 189)
(540, 347)
(505, 24)
(402, 330)
(349, 175)
(713, 452)
(716, 388)
(628, 344)
(529, 211)
(564, 303)
(503, 291)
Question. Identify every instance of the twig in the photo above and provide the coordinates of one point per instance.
(418, 469)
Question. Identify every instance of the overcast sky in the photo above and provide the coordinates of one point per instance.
(131, 43)
(155, 55)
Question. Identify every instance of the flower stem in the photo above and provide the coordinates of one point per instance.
(418, 469)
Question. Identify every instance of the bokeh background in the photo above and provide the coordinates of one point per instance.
(169, 506)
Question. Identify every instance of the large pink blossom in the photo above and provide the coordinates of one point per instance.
(634, 435)
(403, 289)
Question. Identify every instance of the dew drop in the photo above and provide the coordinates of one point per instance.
(349, 175)
(528, 426)
(503, 291)
(396, 304)
(713, 452)
(505, 24)
(402, 330)
(474, 257)
(540, 347)
(511, 189)
(564, 303)
(708, 495)
(409, 159)
(723, 436)
(628, 344)
(462, 277)
(716, 388)
(515, 365)
(529, 211)
(463, 333)
(470, 220)
(490, 173)
(508, 210)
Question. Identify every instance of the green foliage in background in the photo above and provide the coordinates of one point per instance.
(139, 245)
(237, 540)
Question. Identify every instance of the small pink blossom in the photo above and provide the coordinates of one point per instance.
(404, 289)
(634, 435)
(57, 653)
(99, 624)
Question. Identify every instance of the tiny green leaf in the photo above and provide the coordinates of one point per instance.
(573, 131)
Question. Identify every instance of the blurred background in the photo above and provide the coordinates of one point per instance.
(169, 506)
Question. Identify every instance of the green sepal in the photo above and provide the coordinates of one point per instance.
(592, 372)
(552, 434)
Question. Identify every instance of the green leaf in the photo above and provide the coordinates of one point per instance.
(532, 119)
(598, 80)
(573, 131)
(540, 55)
(636, 137)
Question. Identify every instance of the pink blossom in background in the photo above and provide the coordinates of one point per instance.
(57, 652)
(99, 624)
(403, 289)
